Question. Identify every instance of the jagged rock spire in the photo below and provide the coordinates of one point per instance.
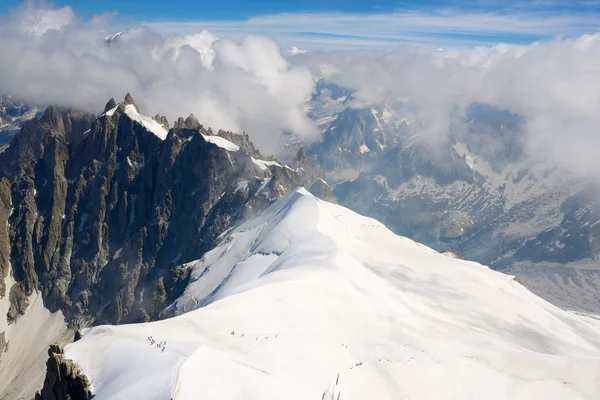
(192, 123)
(128, 99)
(323, 191)
(53, 119)
(301, 153)
(180, 123)
(110, 105)
(161, 119)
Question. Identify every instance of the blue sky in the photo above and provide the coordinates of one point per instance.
(350, 24)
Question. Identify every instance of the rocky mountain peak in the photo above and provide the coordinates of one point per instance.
(162, 120)
(301, 153)
(109, 105)
(180, 123)
(101, 223)
(191, 122)
(52, 118)
(128, 99)
(323, 191)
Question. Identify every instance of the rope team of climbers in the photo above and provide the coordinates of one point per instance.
(160, 345)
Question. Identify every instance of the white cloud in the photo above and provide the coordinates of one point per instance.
(37, 20)
(552, 84)
(247, 84)
(237, 85)
(201, 42)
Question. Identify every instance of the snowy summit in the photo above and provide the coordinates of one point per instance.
(309, 300)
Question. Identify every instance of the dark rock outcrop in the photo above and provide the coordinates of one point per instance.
(189, 123)
(63, 380)
(5, 212)
(18, 302)
(322, 190)
(128, 99)
(353, 140)
(109, 105)
(162, 120)
(180, 123)
(192, 123)
(3, 344)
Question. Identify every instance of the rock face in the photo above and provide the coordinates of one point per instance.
(63, 379)
(3, 344)
(102, 213)
(353, 140)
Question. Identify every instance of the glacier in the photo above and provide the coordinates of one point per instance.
(309, 300)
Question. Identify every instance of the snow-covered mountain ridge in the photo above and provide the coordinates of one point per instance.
(309, 300)
(473, 186)
(100, 210)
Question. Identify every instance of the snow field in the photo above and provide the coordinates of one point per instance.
(309, 299)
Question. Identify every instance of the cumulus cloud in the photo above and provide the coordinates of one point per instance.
(49, 55)
(38, 21)
(553, 85)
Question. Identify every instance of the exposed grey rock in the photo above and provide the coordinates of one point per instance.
(322, 190)
(63, 380)
(180, 123)
(308, 166)
(3, 344)
(109, 105)
(18, 302)
(192, 123)
(162, 120)
(5, 212)
(242, 141)
(128, 99)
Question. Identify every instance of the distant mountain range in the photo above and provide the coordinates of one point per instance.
(12, 117)
(108, 215)
(469, 190)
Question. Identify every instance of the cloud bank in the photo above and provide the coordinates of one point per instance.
(554, 85)
(49, 55)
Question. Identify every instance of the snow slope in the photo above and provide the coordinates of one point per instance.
(221, 142)
(148, 123)
(264, 165)
(311, 301)
(23, 361)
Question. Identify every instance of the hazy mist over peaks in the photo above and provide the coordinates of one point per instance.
(50, 55)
